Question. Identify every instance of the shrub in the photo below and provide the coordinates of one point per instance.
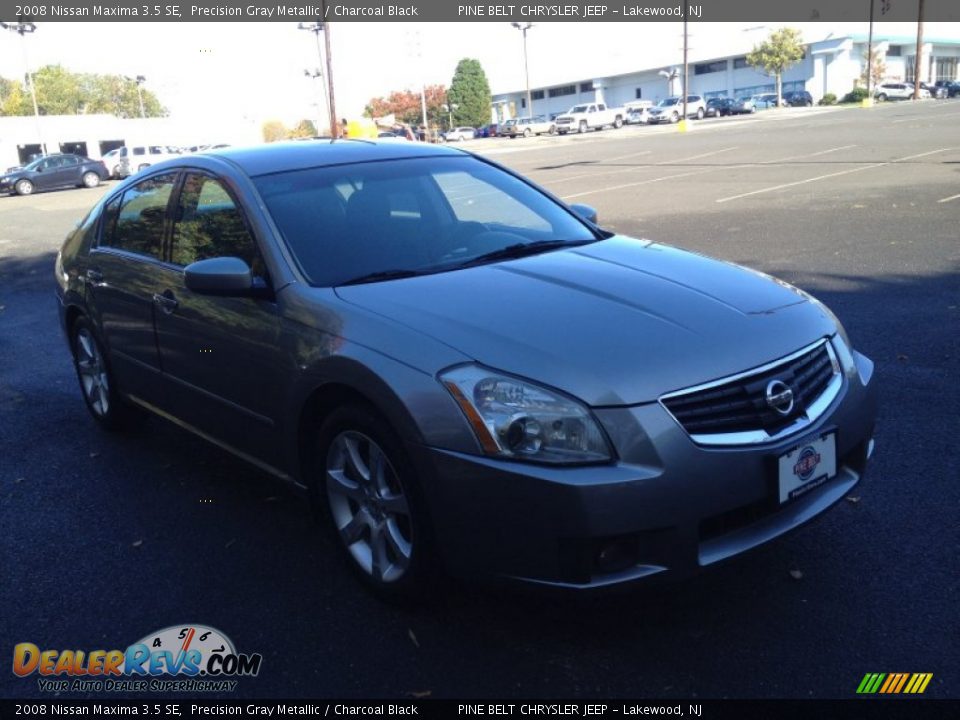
(828, 99)
(856, 95)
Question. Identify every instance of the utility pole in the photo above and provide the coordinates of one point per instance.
(919, 60)
(870, 57)
(325, 56)
(686, 69)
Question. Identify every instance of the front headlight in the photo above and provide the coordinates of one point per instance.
(517, 419)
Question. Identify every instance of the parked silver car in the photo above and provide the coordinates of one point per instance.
(461, 370)
(528, 127)
(459, 134)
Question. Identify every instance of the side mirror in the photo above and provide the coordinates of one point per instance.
(219, 276)
(585, 211)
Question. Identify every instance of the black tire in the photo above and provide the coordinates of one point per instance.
(881, 97)
(23, 187)
(373, 521)
(583, 127)
(90, 180)
(527, 132)
(700, 113)
(97, 385)
(617, 122)
(675, 117)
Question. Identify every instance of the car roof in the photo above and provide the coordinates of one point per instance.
(298, 155)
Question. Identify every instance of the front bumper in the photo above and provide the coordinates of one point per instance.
(666, 508)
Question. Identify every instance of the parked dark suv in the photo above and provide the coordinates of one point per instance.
(798, 98)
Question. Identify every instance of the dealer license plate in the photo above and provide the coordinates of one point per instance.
(807, 466)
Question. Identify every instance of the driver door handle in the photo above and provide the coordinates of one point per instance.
(166, 302)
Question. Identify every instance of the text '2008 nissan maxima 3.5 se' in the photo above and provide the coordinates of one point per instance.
(462, 370)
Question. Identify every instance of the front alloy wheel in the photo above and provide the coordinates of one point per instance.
(91, 180)
(369, 507)
(23, 187)
(376, 510)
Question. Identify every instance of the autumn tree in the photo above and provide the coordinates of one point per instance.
(303, 129)
(470, 92)
(782, 49)
(406, 107)
(273, 130)
(879, 68)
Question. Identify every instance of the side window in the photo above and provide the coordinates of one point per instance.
(138, 226)
(209, 224)
(139, 151)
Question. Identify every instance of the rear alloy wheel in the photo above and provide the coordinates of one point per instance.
(23, 187)
(881, 97)
(583, 126)
(527, 133)
(617, 122)
(372, 500)
(90, 179)
(700, 113)
(675, 117)
(96, 382)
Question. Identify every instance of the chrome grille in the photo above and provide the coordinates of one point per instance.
(736, 411)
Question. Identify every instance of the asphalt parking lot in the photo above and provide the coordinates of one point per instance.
(105, 538)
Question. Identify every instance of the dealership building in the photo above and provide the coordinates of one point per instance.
(829, 65)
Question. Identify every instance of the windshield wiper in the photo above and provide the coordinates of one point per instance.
(381, 275)
(519, 250)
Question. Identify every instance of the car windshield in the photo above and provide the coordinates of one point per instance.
(35, 164)
(413, 216)
(668, 102)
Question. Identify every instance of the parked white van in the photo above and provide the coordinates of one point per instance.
(134, 158)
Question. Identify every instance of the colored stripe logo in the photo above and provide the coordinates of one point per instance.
(894, 683)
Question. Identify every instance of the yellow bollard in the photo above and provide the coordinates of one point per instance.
(866, 102)
(684, 126)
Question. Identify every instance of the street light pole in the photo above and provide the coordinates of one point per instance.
(140, 80)
(317, 74)
(23, 29)
(523, 27)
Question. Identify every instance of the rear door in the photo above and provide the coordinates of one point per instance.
(125, 271)
(220, 355)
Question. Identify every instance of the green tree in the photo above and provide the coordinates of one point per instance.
(470, 92)
(274, 130)
(62, 92)
(782, 49)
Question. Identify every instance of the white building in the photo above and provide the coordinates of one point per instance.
(830, 65)
(96, 135)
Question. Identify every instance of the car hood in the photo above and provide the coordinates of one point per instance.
(617, 322)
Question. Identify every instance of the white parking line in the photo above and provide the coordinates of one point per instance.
(829, 175)
(705, 170)
(641, 167)
(948, 199)
(641, 182)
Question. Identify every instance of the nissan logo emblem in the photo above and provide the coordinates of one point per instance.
(779, 396)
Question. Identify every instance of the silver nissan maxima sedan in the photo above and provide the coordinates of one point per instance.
(459, 369)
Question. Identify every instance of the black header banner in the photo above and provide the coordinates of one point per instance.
(642, 11)
(572, 709)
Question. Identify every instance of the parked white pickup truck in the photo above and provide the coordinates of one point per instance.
(589, 116)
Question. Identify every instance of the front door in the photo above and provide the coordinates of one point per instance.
(220, 355)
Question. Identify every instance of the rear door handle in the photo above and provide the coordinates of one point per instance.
(166, 302)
